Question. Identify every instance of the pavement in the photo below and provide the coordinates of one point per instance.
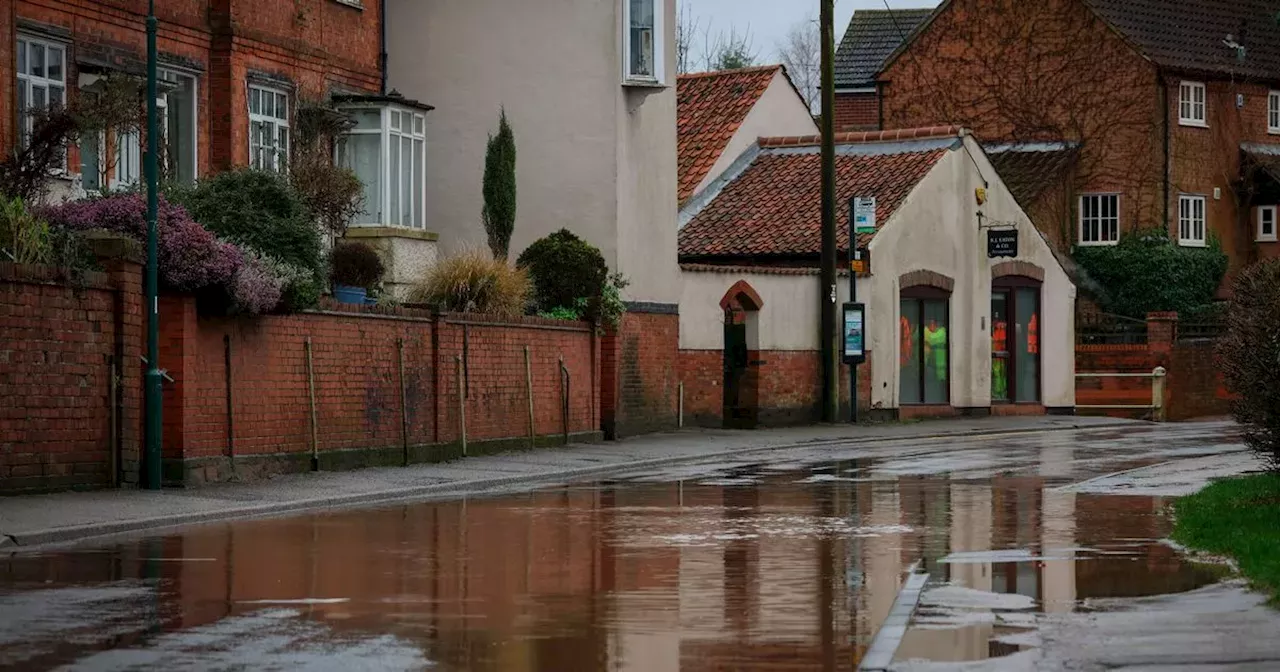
(37, 520)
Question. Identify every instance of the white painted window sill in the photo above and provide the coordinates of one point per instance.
(1192, 124)
(354, 4)
(1272, 239)
(1105, 243)
(641, 83)
(1192, 243)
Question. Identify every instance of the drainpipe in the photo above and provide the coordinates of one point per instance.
(1168, 154)
(382, 45)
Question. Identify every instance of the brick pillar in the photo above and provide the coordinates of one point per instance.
(122, 259)
(178, 350)
(610, 348)
(1162, 332)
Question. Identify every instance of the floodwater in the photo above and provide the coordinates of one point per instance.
(786, 564)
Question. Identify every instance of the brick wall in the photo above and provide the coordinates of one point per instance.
(1193, 382)
(356, 369)
(59, 345)
(786, 387)
(639, 374)
(857, 111)
(307, 47)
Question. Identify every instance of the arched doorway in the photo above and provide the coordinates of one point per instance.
(741, 305)
(1016, 333)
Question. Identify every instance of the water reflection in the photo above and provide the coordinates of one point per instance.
(782, 571)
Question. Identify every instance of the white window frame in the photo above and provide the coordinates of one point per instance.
(386, 132)
(165, 74)
(1263, 211)
(276, 122)
(1273, 112)
(28, 83)
(1193, 227)
(658, 78)
(1193, 111)
(1098, 220)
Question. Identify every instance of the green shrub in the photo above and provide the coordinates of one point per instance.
(1249, 355)
(258, 210)
(473, 281)
(1148, 272)
(563, 269)
(24, 237)
(355, 265)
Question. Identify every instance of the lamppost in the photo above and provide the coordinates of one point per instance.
(152, 381)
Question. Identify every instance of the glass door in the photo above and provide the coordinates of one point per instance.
(1015, 342)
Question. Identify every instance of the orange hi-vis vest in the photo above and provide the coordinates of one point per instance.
(1033, 335)
(904, 354)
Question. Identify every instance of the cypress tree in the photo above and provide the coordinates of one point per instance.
(499, 213)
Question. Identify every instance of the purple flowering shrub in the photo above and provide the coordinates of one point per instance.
(256, 287)
(191, 257)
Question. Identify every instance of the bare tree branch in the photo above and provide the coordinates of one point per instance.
(801, 52)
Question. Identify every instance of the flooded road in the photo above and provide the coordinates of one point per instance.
(784, 561)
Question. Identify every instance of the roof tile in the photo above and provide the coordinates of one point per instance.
(773, 208)
(711, 106)
(873, 35)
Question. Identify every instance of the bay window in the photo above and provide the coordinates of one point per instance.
(386, 149)
(178, 127)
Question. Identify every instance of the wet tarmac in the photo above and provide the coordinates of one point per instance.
(789, 564)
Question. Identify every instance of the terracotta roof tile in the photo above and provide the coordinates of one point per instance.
(710, 108)
(773, 208)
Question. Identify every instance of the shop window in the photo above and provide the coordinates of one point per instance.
(925, 348)
(1015, 340)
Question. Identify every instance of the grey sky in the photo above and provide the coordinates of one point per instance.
(769, 20)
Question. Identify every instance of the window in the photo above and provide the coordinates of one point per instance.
(1191, 221)
(1273, 112)
(268, 129)
(42, 82)
(1191, 104)
(1015, 340)
(1099, 219)
(1267, 223)
(124, 168)
(386, 149)
(642, 38)
(178, 161)
(924, 348)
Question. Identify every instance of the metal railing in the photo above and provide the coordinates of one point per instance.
(1156, 406)
(1109, 329)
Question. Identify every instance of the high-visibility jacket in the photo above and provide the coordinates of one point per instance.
(907, 346)
(1033, 335)
(1000, 336)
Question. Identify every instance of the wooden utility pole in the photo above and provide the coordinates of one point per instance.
(828, 335)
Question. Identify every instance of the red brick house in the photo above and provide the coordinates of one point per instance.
(232, 74)
(872, 37)
(1171, 107)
